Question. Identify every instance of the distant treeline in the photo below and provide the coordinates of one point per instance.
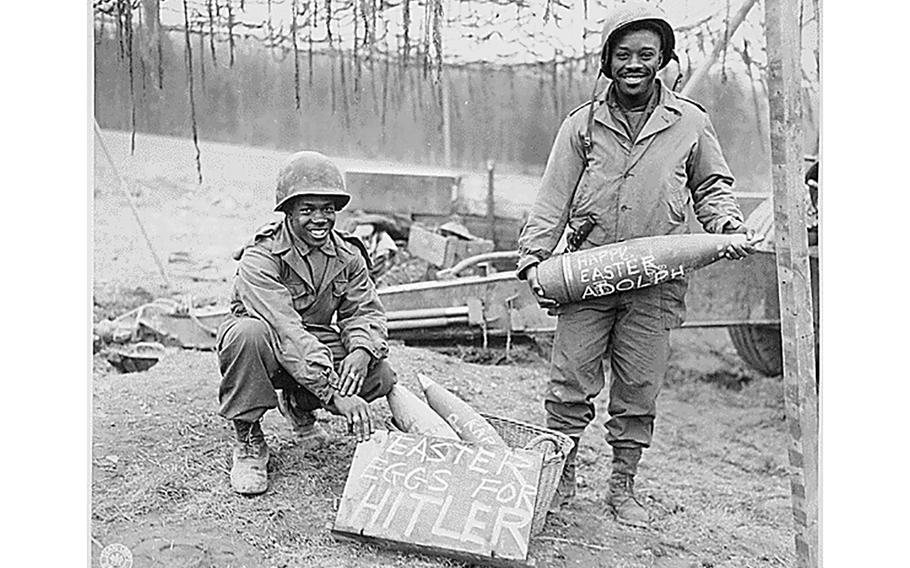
(372, 108)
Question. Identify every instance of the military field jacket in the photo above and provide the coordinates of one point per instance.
(273, 284)
(631, 189)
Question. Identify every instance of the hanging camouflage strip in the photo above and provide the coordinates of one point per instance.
(158, 43)
(269, 22)
(129, 51)
(437, 38)
(211, 30)
(189, 75)
(230, 29)
(202, 54)
(312, 28)
(328, 20)
(344, 93)
(385, 101)
(294, 49)
(356, 58)
(120, 4)
(406, 26)
(142, 42)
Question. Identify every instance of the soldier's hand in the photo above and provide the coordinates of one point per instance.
(353, 371)
(357, 413)
(738, 251)
(537, 290)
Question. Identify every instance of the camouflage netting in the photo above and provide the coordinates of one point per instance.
(371, 68)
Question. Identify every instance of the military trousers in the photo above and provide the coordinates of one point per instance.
(631, 332)
(250, 372)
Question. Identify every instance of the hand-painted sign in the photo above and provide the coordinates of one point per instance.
(465, 500)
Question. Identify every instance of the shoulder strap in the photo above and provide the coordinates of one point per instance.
(263, 232)
(586, 140)
(359, 244)
(693, 102)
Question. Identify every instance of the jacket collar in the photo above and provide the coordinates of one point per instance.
(293, 250)
(666, 113)
(286, 240)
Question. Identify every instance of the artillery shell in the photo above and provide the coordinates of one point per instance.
(464, 420)
(628, 265)
(414, 416)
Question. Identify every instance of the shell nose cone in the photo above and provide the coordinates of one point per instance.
(425, 381)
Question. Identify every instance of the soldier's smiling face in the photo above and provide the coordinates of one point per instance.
(311, 218)
(634, 61)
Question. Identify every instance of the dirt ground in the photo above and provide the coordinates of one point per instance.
(715, 479)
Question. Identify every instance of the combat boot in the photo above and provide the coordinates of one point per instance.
(303, 422)
(622, 502)
(249, 471)
(565, 490)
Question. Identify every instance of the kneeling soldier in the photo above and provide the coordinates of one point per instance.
(306, 321)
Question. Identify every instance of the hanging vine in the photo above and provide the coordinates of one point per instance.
(189, 76)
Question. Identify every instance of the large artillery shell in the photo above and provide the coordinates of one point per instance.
(464, 420)
(414, 416)
(628, 265)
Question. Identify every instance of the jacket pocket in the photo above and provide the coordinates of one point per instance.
(673, 302)
(677, 196)
(339, 287)
(301, 296)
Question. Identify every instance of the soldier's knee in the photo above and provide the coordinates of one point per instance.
(385, 377)
(243, 334)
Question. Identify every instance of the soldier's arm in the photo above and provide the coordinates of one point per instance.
(259, 288)
(361, 317)
(550, 213)
(711, 184)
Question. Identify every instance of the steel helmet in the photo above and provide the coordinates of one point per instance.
(310, 173)
(631, 12)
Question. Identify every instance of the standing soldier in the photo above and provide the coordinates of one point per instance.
(627, 164)
(292, 280)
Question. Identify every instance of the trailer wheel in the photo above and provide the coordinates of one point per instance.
(759, 346)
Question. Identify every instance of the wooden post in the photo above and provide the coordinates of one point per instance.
(800, 397)
(491, 202)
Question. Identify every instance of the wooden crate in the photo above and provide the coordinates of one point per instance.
(443, 251)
